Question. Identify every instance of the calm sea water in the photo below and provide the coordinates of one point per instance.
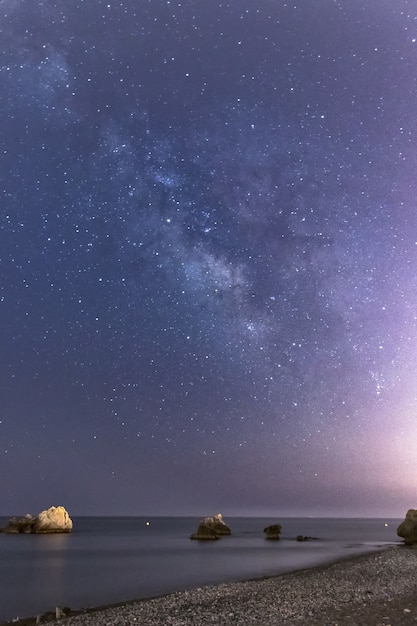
(108, 560)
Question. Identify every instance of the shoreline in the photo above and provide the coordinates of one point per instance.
(374, 589)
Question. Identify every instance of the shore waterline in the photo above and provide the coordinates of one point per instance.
(378, 589)
(112, 560)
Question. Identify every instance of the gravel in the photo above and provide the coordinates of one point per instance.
(372, 590)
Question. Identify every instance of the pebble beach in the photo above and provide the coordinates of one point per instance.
(377, 589)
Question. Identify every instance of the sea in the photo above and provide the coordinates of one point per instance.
(107, 560)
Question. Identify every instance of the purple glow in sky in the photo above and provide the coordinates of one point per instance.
(208, 254)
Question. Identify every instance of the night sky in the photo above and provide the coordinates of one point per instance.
(208, 254)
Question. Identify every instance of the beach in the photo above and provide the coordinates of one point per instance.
(376, 589)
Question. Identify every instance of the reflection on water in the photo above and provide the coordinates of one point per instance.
(50, 560)
(106, 560)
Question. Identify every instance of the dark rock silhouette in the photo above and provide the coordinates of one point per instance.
(408, 528)
(306, 538)
(18, 525)
(273, 532)
(204, 533)
(211, 528)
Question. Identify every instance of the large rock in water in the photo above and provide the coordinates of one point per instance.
(53, 520)
(408, 528)
(211, 528)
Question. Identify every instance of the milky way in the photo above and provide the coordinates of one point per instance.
(208, 243)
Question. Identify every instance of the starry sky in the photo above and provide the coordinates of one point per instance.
(208, 253)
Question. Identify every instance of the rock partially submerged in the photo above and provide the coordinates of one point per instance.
(306, 538)
(53, 520)
(204, 533)
(408, 528)
(211, 528)
(273, 532)
(217, 524)
(18, 525)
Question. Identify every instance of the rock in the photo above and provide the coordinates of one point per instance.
(273, 531)
(408, 528)
(217, 524)
(54, 520)
(18, 525)
(205, 533)
(305, 538)
(211, 528)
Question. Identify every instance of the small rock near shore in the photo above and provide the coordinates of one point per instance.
(211, 528)
(306, 538)
(204, 533)
(273, 532)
